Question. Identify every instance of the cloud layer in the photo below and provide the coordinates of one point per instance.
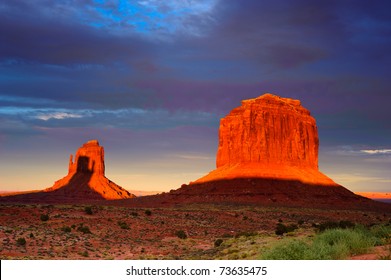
(145, 66)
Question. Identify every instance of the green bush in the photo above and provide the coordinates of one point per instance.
(246, 234)
(181, 234)
(44, 217)
(21, 241)
(123, 225)
(332, 225)
(340, 243)
(88, 210)
(282, 228)
(66, 229)
(84, 229)
(85, 254)
(382, 233)
(288, 250)
(332, 244)
(218, 242)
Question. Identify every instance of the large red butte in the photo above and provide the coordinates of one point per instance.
(268, 137)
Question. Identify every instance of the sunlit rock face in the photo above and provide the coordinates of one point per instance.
(268, 137)
(86, 177)
(268, 129)
(88, 159)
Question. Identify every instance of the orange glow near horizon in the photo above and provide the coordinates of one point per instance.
(375, 195)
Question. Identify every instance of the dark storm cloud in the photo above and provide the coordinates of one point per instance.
(47, 41)
(332, 55)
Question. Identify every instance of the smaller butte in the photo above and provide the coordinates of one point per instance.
(86, 177)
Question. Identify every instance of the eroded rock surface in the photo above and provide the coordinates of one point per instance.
(86, 177)
(268, 137)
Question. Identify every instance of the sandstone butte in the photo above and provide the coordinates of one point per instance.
(86, 177)
(268, 137)
(268, 155)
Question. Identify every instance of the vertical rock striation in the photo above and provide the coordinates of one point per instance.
(268, 137)
(268, 129)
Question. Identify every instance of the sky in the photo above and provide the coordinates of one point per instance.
(151, 79)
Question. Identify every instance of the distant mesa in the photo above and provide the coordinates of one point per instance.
(85, 181)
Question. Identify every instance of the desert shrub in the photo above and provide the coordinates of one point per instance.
(340, 243)
(88, 210)
(66, 229)
(218, 242)
(288, 250)
(85, 254)
(382, 234)
(83, 229)
(181, 234)
(134, 214)
(332, 225)
(148, 212)
(44, 217)
(123, 225)
(282, 228)
(21, 241)
(346, 224)
(332, 244)
(245, 234)
(300, 222)
(31, 235)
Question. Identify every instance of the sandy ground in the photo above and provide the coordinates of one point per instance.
(130, 233)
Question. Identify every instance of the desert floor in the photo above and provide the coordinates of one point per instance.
(187, 232)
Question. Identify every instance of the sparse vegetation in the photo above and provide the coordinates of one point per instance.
(66, 229)
(135, 214)
(282, 228)
(85, 254)
(148, 212)
(21, 241)
(245, 234)
(84, 229)
(332, 225)
(181, 234)
(331, 244)
(218, 242)
(213, 232)
(88, 210)
(44, 217)
(123, 225)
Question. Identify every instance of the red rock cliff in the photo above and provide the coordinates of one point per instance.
(270, 137)
(95, 155)
(268, 129)
(86, 177)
